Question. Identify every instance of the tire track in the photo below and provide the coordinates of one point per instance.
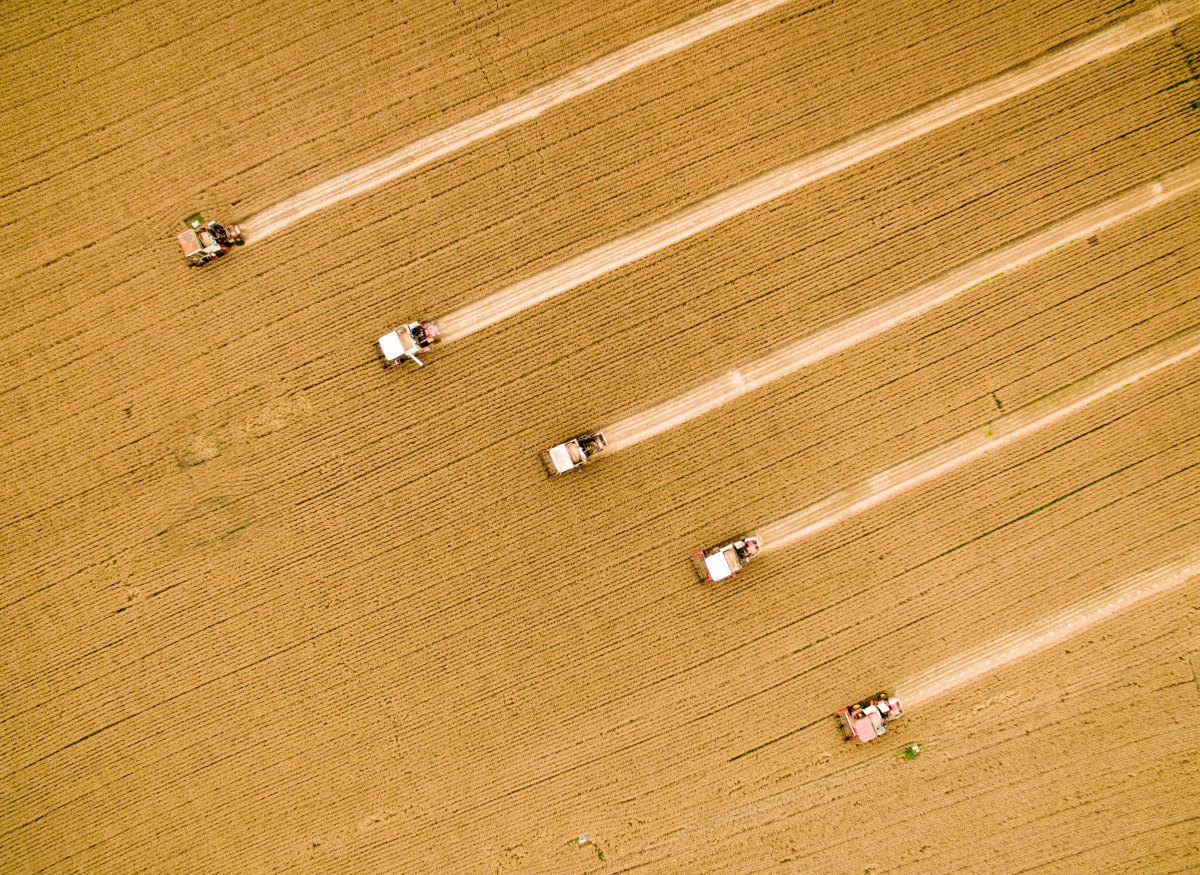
(876, 488)
(816, 165)
(1071, 620)
(528, 106)
(865, 324)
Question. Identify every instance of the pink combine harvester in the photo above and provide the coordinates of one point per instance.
(867, 720)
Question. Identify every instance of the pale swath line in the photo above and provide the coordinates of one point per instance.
(872, 321)
(523, 108)
(1076, 617)
(952, 673)
(925, 466)
(816, 165)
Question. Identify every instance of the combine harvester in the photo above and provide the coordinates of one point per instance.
(867, 720)
(720, 563)
(573, 454)
(406, 341)
(204, 241)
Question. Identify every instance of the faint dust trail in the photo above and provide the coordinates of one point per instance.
(523, 108)
(1049, 631)
(946, 676)
(866, 323)
(816, 165)
(925, 466)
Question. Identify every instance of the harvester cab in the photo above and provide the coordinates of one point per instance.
(406, 341)
(573, 454)
(722, 562)
(868, 720)
(203, 241)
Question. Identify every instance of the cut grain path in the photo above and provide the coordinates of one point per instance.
(815, 166)
(524, 108)
(260, 615)
(1071, 620)
(876, 488)
(859, 327)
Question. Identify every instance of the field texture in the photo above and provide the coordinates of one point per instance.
(910, 290)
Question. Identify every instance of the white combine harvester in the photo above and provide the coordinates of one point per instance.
(204, 241)
(573, 454)
(726, 561)
(406, 341)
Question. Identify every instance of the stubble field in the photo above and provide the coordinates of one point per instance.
(267, 608)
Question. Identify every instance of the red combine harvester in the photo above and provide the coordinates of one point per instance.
(406, 341)
(867, 720)
(204, 241)
(725, 561)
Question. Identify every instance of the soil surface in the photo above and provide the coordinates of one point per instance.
(266, 607)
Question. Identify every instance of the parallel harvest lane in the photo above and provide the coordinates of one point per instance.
(634, 329)
(324, 270)
(1181, 471)
(810, 448)
(1105, 522)
(142, 760)
(855, 329)
(369, 172)
(529, 106)
(932, 463)
(951, 492)
(1074, 618)
(84, 461)
(817, 165)
(856, 282)
(896, 405)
